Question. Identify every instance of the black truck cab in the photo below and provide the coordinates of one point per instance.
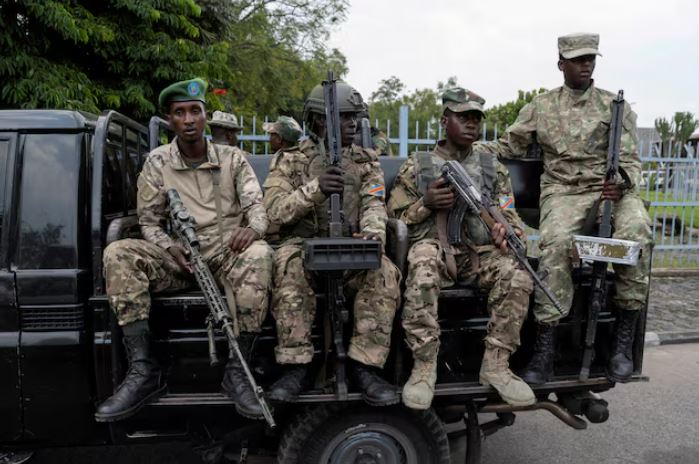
(68, 188)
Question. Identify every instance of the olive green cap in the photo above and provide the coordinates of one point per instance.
(459, 100)
(580, 44)
(191, 90)
(287, 128)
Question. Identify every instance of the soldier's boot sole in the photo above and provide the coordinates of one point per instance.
(527, 400)
(418, 405)
(125, 414)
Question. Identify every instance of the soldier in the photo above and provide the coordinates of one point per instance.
(379, 140)
(571, 125)
(284, 134)
(296, 197)
(224, 128)
(423, 204)
(220, 190)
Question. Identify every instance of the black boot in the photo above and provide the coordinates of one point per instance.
(375, 390)
(236, 384)
(540, 367)
(291, 384)
(142, 383)
(620, 365)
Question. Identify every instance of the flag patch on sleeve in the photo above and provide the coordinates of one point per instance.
(507, 201)
(377, 190)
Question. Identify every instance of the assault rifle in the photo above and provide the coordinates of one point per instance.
(336, 254)
(183, 224)
(365, 126)
(471, 200)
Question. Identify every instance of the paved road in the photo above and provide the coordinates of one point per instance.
(654, 422)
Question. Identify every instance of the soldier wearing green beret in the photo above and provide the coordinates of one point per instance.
(421, 199)
(571, 126)
(220, 190)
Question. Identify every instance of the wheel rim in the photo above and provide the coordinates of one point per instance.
(372, 443)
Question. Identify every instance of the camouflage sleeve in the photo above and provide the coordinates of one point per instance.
(372, 206)
(249, 193)
(629, 158)
(406, 201)
(286, 204)
(517, 138)
(152, 204)
(506, 197)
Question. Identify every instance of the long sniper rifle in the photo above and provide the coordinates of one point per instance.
(183, 224)
(471, 199)
(598, 297)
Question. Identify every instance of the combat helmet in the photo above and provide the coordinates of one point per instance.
(348, 98)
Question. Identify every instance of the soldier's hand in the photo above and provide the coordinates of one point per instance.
(498, 235)
(612, 191)
(331, 181)
(241, 238)
(439, 195)
(181, 255)
(366, 235)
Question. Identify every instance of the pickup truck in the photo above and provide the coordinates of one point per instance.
(68, 188)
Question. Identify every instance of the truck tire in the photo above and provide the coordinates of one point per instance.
(347, 434)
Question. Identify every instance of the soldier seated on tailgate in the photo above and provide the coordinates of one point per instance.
(224, 128)
(230, 232)
(432, 263)
(296, 197)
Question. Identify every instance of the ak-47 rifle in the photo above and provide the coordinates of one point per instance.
(470, 199)
(598, 296)
(183, 225)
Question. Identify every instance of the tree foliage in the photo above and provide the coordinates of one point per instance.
(119, 54)
(501, 116)
(676, 132)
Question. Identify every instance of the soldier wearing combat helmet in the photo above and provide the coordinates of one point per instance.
(296, 198)
(422, 200)
(230, 230)
(571, 125)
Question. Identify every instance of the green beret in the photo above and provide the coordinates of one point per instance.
(191, 90)
(459, 100)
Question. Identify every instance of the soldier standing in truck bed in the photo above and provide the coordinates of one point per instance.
(571, 125)
(296, 197)
(221, 192)
(422, 202)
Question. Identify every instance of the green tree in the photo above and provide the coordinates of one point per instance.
(677, 131)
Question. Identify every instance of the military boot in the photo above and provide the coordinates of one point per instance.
(290, 385)
(540, 367)
(418, 391)
(142, 383)
(236, 384)
(495, 371)
(620, 365)
(375, 390)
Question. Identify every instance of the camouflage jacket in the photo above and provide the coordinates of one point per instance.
(572, 128)
(406, 202)
(296, 205)
(241, 196)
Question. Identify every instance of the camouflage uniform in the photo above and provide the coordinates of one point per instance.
(572, 128)
(382, 144)
(135, 267)
(509, 285)
(296, 205)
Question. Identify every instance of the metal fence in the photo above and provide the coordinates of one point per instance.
(670, 182)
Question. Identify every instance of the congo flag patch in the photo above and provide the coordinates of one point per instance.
(507, 201)
(377, 190)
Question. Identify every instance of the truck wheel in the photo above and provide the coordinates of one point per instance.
(342, 434)
(15, 457)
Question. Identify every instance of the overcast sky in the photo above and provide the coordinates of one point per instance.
(495, 47)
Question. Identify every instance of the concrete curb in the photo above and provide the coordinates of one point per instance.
(671, 338)
(671, 272)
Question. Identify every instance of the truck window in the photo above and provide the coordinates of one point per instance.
(48, 211)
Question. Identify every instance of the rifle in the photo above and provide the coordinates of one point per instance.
(598, 296)
(470, 199)
(183, 224)
(366, 133)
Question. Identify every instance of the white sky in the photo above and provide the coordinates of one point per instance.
(650, 48)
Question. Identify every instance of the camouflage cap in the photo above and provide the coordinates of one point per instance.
(459, 100)
(287, 128)
(578, 44)
(191, 90)
(225, 120)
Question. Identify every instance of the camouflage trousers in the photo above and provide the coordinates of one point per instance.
(376, 295)
(134, 268)
(508, 299)
(563, 216)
